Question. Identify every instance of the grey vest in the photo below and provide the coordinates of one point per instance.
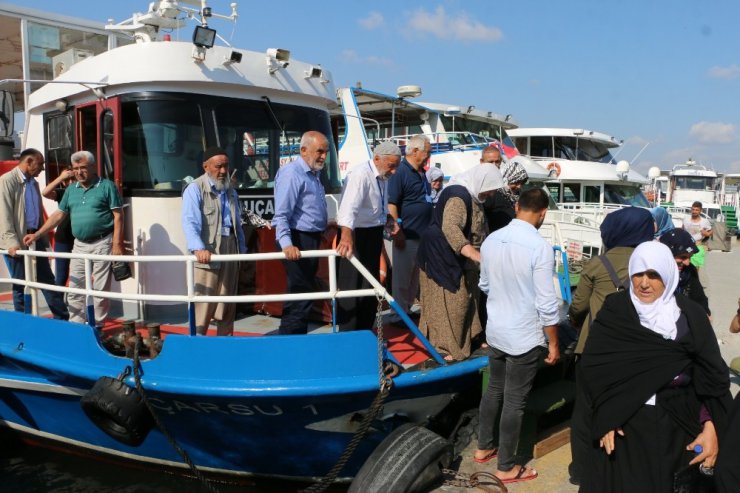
(210, 216)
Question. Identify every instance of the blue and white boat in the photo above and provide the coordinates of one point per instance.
(280, 406)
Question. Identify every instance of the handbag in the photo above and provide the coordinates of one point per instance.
(121, 270)
(693, 480)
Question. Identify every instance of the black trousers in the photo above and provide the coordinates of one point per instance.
(301, 279)
(359, 313)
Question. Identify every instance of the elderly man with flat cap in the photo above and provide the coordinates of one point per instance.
(363, 213)
(213, 226)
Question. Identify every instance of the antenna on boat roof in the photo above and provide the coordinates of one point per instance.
(638, 154)
(167, 15)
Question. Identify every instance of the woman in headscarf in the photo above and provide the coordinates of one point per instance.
(435, 177)
(448, 262)
(663, 221)
(500, 208)
(621, 231)
(683, 246)
(656, 380)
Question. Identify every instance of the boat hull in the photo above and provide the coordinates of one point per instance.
(236, 405)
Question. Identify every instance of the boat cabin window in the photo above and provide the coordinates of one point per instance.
(592, 193)
(625, 194)
(59, 147)
(554, 189)
(540, 146)
(571, 192)
(164, 140)
(552, 205)
(693, 183)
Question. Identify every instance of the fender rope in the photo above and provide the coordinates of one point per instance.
(137, 378)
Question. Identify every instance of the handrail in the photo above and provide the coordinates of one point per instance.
(190, 298)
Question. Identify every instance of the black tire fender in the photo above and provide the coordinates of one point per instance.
(409, 460)
(118, 410)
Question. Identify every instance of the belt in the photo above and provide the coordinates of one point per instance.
(31, 231)
(95, 238)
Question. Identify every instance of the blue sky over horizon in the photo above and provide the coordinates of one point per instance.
(659, 72)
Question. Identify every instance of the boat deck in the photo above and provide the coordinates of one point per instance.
(404, 346)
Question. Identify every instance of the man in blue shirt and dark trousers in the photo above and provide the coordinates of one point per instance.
(299, 221)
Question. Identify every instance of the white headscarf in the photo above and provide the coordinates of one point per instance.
(659, 316)
(479, 179)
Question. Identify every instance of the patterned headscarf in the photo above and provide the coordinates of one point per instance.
(513, 172)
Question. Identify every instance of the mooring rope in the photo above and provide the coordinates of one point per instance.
(137, 379)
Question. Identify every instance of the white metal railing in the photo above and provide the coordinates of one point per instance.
(190, 297)
(457, 141)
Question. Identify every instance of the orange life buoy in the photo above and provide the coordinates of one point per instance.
(383, 268)
(554, 167)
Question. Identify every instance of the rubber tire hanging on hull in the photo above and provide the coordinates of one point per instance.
(118, 410)
(409, 460)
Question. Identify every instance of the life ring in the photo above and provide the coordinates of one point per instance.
(554, 168)
(410, 459)
(118, 410)
(383, 272)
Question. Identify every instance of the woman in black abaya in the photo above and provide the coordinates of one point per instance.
(656, 379)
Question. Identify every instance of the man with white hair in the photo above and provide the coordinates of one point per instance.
(219, 232)
(363, 213)
(410, 205)
(95, 210)
(300, 219)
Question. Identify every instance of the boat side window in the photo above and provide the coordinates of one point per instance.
(592, 193)
(541, 146)
(521, 144)
(59, 148)
(571, 192)
(554, 189)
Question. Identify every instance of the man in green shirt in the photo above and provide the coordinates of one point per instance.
(94, 207)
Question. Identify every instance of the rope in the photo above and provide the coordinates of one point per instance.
(385, 387)
(137, 378)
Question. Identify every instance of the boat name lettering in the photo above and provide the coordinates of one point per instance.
(175, 406)
(264, 207)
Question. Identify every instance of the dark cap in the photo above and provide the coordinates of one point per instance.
(679, 241)
(213, 151)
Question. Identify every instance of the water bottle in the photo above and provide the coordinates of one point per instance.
(707, 471)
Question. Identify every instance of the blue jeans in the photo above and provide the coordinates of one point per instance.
(54, 299)
(509, 382)
(61, 265)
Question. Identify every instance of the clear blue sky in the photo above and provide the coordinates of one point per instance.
(660, 71)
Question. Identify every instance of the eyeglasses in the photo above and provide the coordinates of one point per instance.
(79, 168)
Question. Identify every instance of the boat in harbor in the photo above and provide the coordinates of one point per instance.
(458, 138)
(585, 177)
(260, 405)
(690, 182)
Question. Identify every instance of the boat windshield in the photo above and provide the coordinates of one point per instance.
(694, 182)
(570, 148)
(625, 194)
(486, 129)
(164, 136)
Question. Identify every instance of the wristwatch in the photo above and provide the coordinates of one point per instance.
(399, 220)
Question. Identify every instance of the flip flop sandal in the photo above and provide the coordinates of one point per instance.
(488, 457)
(521, 477)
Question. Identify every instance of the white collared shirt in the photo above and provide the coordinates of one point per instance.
(364, 202)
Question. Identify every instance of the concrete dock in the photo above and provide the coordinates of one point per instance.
(720, 277)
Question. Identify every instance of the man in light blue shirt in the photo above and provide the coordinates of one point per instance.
(299, 221)
(211, 221)
(517, 275)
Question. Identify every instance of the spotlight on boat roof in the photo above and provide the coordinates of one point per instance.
(234, 57)
(623, 170)
(452, 110)
(204, 37)
(408, 91)
(578, 131)
(653, 172)
(277, 58)
(315, 72)
(507, 119)
(471, 108)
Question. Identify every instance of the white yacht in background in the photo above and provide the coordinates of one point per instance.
(457, 136)
(584, 175)
(690, 182)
